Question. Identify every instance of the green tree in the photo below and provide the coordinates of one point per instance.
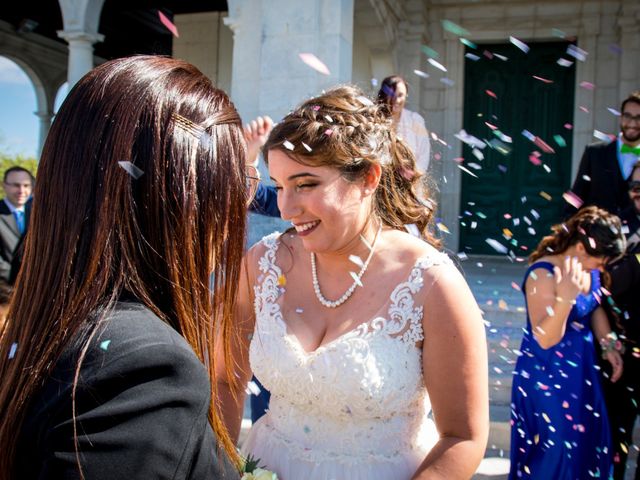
(7, 161)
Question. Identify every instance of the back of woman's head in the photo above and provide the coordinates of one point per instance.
(345, 130)
(387, 92)
(141, 191)
(599, 231)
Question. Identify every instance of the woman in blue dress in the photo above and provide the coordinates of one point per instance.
(559, 426)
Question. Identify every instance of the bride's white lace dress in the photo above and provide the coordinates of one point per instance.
(355, 408)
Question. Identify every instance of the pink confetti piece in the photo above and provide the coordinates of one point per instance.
(535, 160)
(572, 199)
(587, 85)
(584, 109)
(542, 145)
(515, 286)
(491, 94)
(568, 126)
(314, 62)
(520, 44)
(491, 126)
(168, 23)
(316, 108)
(328, 132)
(488, 54)
(545, 80)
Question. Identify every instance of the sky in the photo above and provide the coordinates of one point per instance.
(19, 126)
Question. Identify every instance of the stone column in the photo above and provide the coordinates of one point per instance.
(81, 19)
(80, 53)
(268, 77)
(44, 118)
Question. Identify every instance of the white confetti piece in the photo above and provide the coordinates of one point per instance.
(299, 310)
(437, 64)
(496, 245)
(306, 147)
(470, 140)
(253, 389)
(356, 279)
(105, 345)
(131, 169)
(462, 256)
(550, 311)
(447, 81)
(563, 62)
(500, 57)
(357, 260)
(420, 73)
(314, 62)
(601, 136)
(614, 111)
(472, 56)
(577, 53)
(467, 171)
(365, 101)
(288, 145)
(520, 44)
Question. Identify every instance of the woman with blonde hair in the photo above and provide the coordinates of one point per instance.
(358, 329)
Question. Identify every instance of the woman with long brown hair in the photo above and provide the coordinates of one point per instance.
(357, 328)
(559, 426)
(105, 359)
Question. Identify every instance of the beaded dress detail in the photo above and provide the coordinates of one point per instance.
(356, 408)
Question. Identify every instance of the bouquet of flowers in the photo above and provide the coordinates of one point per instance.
(251, 471)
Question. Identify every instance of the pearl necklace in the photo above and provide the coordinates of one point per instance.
(352, 288)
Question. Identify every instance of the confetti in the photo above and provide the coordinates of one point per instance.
(563, 62)
(314, 62)
(12, 350)
(572, 199)
(515, 286)
(583, 109)
(365, 101)
(559, 140)
(497, 246)
(168, 23)
(558, 33)
(131, 169)
(527, 134)
(545, 80)
(502, 305)
(577, 53)
(356, 279)
(357, 260)
(550, 311)
(615, 48)
(454, 28)
(501, 57)
(491, 94)
(299, 310)
(520, 44)
(467, 171)
(472, 56)
(306, 147)
(288, 145)
(462, 256)
(470, 140)
(468, 43)
(544, 146)
(614, 111)
(447, 81)
(587, 85)
(420, 73)
(568, 126)
(443, 228)
(545, 195)
(104, 345)
(429, 52)
(253, 389)
(328, 132)
(603, 136)
(436, 64)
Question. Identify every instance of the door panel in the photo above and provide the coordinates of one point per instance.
(507, 192)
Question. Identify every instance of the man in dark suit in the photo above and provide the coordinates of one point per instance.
(15, 210)
(605, 168)
(623, 397)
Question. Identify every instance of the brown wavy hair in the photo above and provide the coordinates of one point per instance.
(387, 92)
(345, 130)
(599, 231)
(96, 232)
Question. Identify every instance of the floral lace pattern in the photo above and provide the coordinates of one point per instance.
(359, 396)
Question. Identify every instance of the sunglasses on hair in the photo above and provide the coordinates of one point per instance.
(634, 186)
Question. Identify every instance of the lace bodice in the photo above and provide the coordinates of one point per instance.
(362, 394)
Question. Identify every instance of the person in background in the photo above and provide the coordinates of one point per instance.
(5, 297)
(265, 203)
(623, 396)
(15, 212)
(559, 426)
(409, 126)
(605, 167)
(142, 200)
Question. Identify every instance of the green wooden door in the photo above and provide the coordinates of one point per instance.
(517, 196)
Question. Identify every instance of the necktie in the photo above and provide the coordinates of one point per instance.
(19, 220)
(629, 149)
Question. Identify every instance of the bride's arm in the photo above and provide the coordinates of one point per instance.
(231, 391)
(455, 374)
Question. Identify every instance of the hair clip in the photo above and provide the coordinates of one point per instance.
(187, 125)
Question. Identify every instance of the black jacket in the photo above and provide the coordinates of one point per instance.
(599, 180)
(141, 407)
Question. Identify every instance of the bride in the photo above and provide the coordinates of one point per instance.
(358, 329)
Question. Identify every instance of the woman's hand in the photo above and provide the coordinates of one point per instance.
(571, 280)
(256, 133)
(615, 359)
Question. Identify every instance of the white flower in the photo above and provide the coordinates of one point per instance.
(260, 474)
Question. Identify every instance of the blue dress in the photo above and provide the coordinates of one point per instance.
(559, 426)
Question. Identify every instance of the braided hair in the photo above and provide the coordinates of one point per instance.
(344, 129)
